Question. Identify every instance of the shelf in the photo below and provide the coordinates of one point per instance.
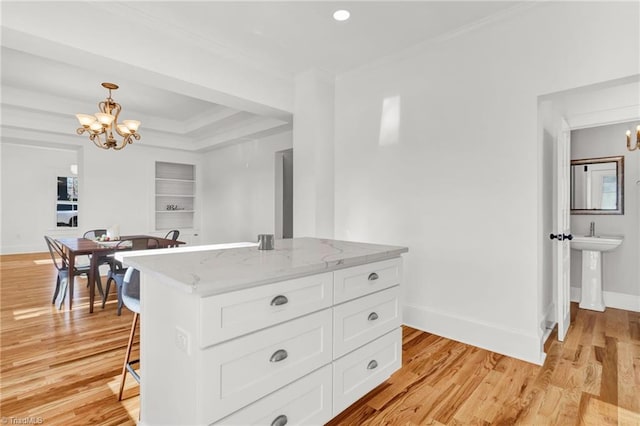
(175, 171)
(174, 180)
(175, 211)
(175, 185)
(182, 187)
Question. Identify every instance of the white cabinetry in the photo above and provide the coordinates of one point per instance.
(175, 195)
(306, 402)
(362, 320)
(233, 314)
(360, 371)
(296, 351)
(242, 370)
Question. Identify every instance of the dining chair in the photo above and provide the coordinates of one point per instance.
(172, 235)
(117, 271)
(94, 234)
(61, 263)
(131, 299)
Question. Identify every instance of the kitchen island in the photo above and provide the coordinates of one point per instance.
(244, 336)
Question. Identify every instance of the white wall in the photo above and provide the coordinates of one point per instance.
(235, 190)
(620, 267)
(313, 131)
(239, 188)
(29, 193)
(547, 213)
(115, 187)
(460, 187)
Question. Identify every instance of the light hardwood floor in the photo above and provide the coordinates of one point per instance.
(63, 368)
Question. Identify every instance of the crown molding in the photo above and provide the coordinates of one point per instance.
(241, 133)
(604, 117)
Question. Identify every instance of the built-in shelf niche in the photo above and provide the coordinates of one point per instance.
(175, 195)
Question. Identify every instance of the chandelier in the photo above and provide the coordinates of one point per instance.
(637, 145)
(105, 122)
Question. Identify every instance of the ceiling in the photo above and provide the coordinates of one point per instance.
(280, 39)
(297, 35)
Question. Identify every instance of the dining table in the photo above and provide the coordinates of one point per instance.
(75, 247)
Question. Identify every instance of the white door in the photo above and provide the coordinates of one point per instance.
(562, 224)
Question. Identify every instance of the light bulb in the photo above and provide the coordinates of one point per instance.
(341, 15)
(105, 119)
(124, 129)
(132, 125)
(85, 119)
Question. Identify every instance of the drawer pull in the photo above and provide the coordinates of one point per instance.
(278, 356)
(281, 420)
(373, 276)
(373, 316)
(279, 300)
(372, 364)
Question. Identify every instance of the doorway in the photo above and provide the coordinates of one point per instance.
(599, 104)
(284, 193)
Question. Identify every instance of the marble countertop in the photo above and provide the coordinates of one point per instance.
(222, 268)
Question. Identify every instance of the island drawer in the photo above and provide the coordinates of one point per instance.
(240, 371)
(360, 371)
(228, 315)
(361, 280)
(304, 402)
(362, 320)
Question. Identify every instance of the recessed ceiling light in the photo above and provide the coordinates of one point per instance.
(341, 15)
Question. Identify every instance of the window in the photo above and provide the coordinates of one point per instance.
(67, 202)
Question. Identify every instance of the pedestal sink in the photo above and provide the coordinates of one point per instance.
(592, 248)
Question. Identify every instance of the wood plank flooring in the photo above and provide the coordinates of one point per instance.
(592, 378)
(62, 368)
(59, 367)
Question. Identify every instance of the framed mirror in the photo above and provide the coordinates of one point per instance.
(597, 185)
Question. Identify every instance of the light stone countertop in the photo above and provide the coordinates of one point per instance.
(222, 268)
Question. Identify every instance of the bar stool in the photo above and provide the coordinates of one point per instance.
(131, 299)
(117, 271)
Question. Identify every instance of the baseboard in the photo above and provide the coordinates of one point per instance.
(549, 317)
(23, 249)
(628, 302)
(547, 325)
(496, 338)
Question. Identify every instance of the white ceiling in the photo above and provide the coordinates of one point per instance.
(295, 36)
(280, 38)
